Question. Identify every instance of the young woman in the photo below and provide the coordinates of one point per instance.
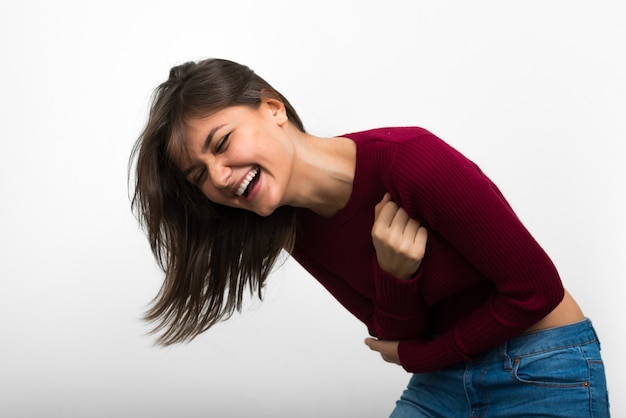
(408, 234)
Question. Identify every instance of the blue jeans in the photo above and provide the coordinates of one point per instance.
(556, 372)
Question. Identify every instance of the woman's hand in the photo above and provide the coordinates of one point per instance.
(399, 241)
(387, 349)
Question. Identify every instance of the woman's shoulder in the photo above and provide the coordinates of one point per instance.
(403, 143)
(390, 134)
(411, 155)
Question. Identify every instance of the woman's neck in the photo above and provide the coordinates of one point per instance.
(323, 173)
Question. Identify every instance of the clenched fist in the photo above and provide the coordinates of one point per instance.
(399, 241)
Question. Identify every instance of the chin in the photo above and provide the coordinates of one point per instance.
(264, 212)
(266, 207)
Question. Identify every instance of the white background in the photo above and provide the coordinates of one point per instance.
(533, 91)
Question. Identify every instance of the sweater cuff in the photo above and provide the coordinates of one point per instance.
(398, 298)
(399, 310)
(421, 356)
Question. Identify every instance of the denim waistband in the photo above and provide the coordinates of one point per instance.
(548, 339)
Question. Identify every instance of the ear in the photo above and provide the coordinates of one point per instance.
(277, 110)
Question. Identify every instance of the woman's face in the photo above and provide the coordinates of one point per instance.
(240, 156)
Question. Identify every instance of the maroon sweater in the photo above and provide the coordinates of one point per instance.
(483, 280)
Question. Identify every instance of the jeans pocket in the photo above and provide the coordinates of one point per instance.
(562, 368)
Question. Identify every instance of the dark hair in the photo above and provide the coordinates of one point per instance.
(210, 253)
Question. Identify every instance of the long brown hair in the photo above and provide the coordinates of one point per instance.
(210, 253)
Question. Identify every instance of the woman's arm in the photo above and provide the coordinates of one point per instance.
(463, 207)
(391, 314)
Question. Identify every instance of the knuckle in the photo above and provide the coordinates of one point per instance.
(378, 228)
(418, 255)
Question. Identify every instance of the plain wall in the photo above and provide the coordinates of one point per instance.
(533, 91)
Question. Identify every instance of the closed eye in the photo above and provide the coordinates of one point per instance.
(221, 146)
(199, 177)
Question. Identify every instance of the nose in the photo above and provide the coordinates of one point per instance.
(220, 173)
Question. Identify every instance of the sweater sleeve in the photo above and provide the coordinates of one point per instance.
(435, 182)
(391, 314)
(396, 314)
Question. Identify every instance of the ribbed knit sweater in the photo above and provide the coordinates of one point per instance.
(484, 279)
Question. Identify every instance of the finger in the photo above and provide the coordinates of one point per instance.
(386, 198)
(385, 215)
(377, 345)
(422, 236)
(384, 348)
(401, 220)
(373, 344)
(411, 230)
(410, 226)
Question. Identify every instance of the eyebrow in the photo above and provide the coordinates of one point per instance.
(205, 147)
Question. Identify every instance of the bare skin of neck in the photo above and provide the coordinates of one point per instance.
(323, 173)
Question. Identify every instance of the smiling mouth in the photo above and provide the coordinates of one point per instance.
(248, 183)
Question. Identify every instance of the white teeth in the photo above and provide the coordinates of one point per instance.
(246, 182)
